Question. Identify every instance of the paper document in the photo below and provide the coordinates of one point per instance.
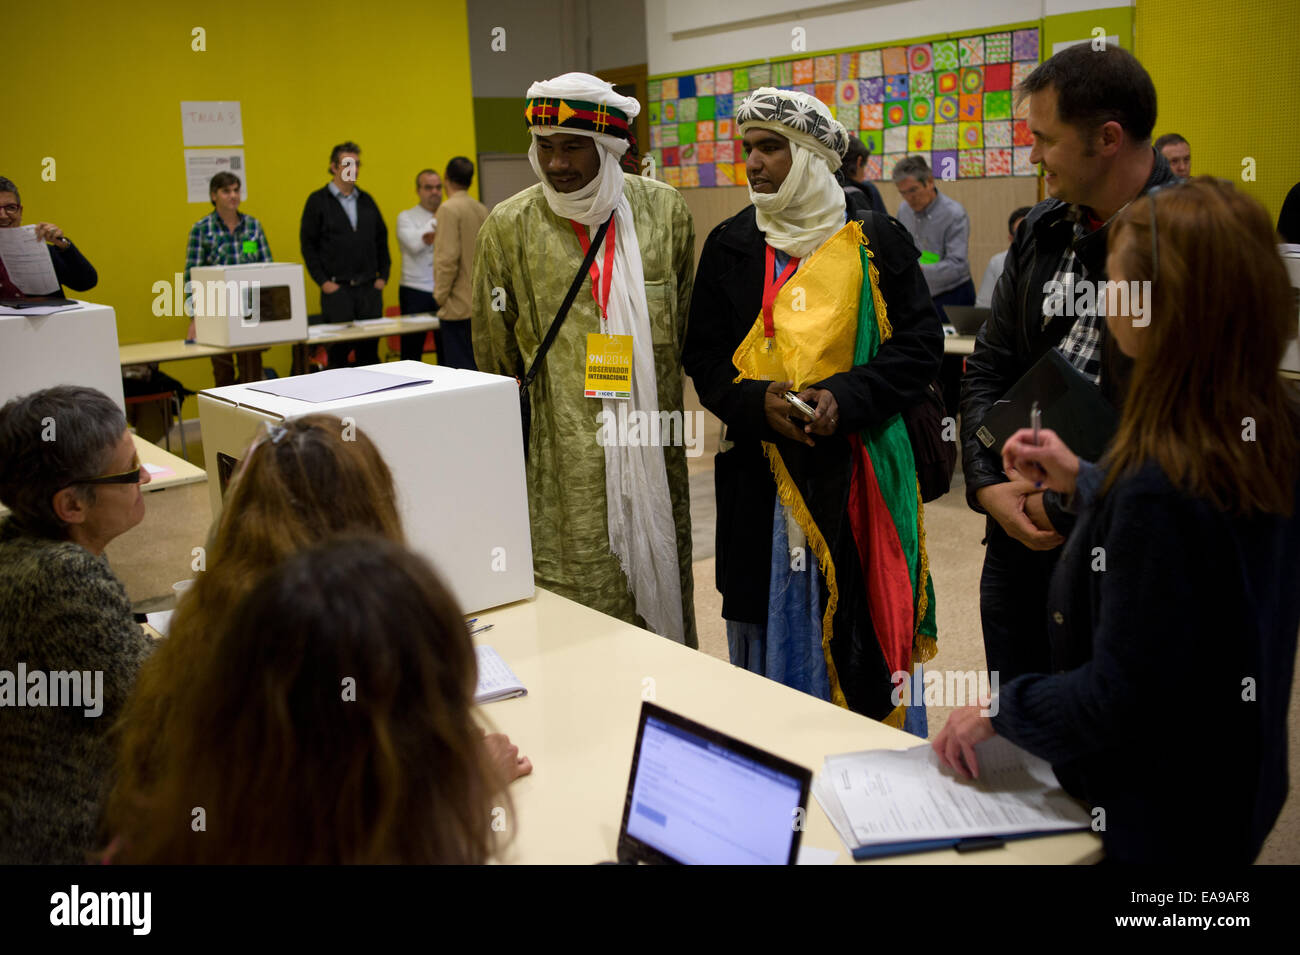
(372, 322)
(886, 796)
(320, 331)
(334, 384)
(160, 621)
(27, 260)
(496, 681)
(35, 310)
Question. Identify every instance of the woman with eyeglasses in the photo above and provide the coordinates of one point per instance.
(69, 645)
(300, 483)
(1175, 607)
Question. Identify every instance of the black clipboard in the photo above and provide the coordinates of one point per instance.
(1070, 403)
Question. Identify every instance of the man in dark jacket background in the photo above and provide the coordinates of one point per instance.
(345, 249)
(71, 268)
(1091, 113)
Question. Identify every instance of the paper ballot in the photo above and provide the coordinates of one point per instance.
(887, 796)
(496, 681)
(27, 260)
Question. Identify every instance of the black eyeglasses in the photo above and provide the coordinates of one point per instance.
(124, 477)
(1155, 246)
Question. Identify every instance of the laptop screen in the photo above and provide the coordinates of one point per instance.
(697, 796)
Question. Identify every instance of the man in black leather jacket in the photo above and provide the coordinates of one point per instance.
(1091, 112)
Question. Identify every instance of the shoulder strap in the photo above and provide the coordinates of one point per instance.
(566, 305)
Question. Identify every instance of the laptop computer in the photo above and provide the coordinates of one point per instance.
(967, 319)
(700, 797)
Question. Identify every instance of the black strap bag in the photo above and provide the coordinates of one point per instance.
(525, 406)
(936, 458)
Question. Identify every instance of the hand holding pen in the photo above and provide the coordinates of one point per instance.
(1041, 457)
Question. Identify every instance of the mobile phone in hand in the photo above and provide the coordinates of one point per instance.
(807, 410)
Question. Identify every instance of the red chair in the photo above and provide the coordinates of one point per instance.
(395, 341)
(169, 402)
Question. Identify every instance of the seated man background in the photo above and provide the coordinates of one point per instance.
(941, 229)
(71, 480)
(70, 266)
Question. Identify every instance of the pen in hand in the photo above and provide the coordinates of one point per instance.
(1036, 423)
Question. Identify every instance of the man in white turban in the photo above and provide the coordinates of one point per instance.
(607, 489)
(820, 548)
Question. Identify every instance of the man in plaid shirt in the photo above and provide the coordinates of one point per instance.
(227, 237)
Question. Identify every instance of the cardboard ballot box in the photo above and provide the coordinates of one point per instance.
(73, 347)
(258, 304)
(451, 439)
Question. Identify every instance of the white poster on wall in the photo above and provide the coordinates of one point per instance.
(202, 164)
(212, 123)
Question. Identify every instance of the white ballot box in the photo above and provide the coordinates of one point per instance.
(451, 439)
(77, 346)
(258, 304)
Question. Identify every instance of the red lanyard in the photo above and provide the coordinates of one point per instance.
(770, 288)
(600, 279)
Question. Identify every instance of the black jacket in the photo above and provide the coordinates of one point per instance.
(1014, 337)
(726, 300)
(73, 269)
(1148, 715)
(333, 251)
(864, 195)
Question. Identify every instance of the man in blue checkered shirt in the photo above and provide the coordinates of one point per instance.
(227, 237)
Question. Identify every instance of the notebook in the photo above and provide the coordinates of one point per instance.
(1071, 404)
(967, 319)
(496, 681)
(897, 802)
(696, 796)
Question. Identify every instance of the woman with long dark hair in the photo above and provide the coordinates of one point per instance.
(1175, 607)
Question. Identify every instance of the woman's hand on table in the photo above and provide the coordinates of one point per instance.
(955, 744)
(505, 759)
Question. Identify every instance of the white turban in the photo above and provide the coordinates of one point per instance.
(639, 507)
(808, 208)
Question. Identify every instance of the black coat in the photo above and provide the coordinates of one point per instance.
(1159, 610)
(73, 269)
(1014, 337)
(333, 251)
(726, 301)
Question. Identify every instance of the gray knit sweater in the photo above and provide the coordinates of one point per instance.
(61, 609)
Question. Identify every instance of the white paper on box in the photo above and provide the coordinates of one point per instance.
(333, 385)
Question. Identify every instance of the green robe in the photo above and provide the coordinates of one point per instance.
(531, 255)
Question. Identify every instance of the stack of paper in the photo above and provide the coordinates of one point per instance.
(496, 681)
(890, 802)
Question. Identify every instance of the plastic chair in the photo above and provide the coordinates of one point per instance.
(169, 401)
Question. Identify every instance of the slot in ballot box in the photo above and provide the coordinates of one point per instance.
(257, 304)
(73, 347)
(451, 439)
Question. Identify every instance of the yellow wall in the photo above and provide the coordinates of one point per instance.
(1226, 76)
(97, 86)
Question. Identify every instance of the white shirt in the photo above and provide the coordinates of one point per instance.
(417, 258)
(991, 275)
